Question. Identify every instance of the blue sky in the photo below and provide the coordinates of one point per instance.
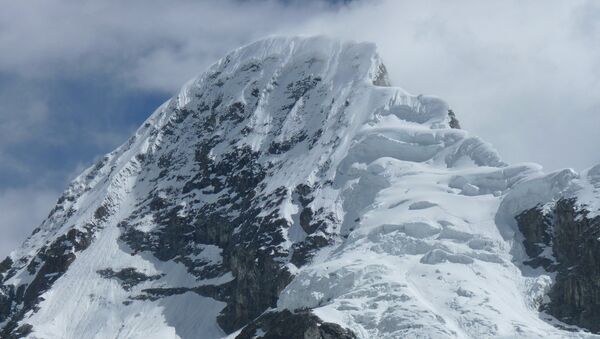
(78, 77)
(79, 119)
(64, 106)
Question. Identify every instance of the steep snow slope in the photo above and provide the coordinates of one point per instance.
(290, 175)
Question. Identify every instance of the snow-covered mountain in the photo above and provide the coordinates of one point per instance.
(291, 192)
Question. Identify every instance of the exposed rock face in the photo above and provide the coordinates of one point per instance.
(299, 325)
(536, 227)
(381, 77)
(128, 277)
(564, 240)
(454, 123)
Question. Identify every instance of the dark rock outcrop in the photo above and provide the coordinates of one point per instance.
(128, 277)
(49, 264)
(454, 123)
(288, 325)
(572, 238)
(5, 265)
(381, 77)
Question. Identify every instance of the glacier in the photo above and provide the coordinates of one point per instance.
(291, 176)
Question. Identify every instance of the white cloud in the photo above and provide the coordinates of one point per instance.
(523, 75)
(21, 114)
(21, 210)
(151, 43)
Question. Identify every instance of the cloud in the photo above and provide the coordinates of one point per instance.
(152, 44)
(523, 75)
(21, 210)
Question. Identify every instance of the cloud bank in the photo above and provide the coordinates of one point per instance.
(524, 75)
(76, 77)
(15, 223)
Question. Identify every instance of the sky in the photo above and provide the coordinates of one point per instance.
(78, 77)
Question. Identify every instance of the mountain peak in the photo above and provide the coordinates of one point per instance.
(290, 184)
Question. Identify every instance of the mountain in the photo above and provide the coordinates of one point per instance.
(290, 192)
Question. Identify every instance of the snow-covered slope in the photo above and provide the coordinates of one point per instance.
(291, 176)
